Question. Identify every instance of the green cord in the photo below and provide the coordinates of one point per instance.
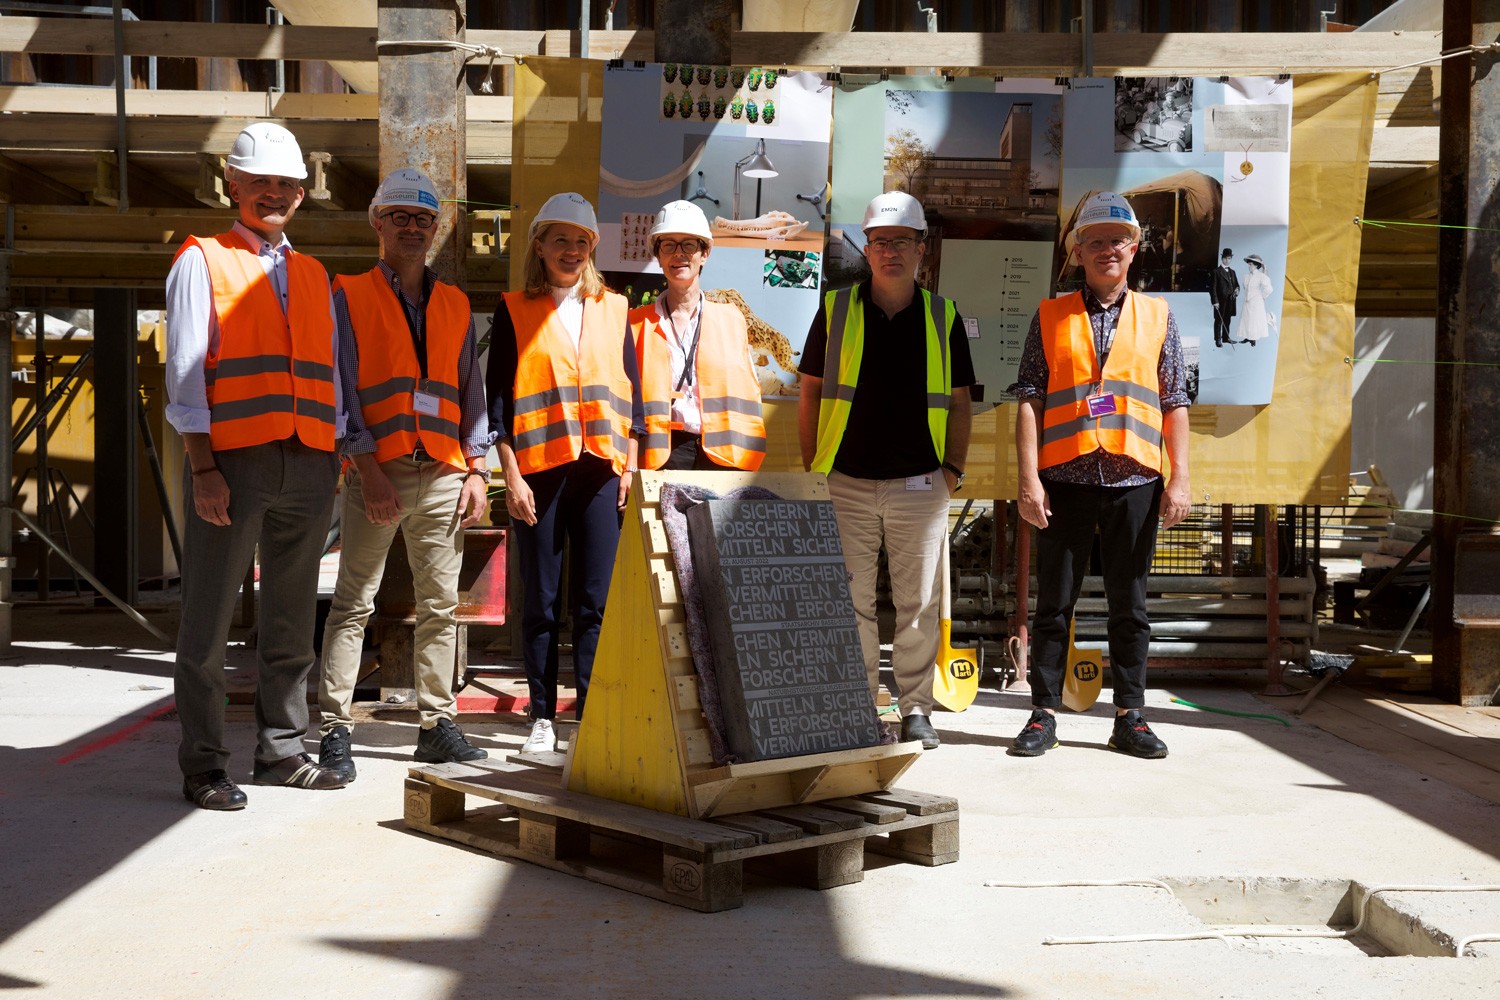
(1225, 711)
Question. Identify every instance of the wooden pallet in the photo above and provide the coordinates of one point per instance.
(694, 863)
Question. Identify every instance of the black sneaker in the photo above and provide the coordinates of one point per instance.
(444, 743)
(1134, 737)
(1038, 736)
(334, 753)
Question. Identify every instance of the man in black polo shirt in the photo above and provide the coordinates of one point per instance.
(884, 413)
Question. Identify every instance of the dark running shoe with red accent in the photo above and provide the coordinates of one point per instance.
(1039, 735)
(1134, 737)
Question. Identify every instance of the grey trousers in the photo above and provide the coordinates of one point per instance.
(281, 499)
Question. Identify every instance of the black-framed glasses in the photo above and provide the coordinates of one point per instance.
(669, 248)
(900, 244)
(422, 220)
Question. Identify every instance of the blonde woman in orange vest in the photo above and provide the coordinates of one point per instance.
(565, 406)
(701, 395)
(417, 438)
(252, 389)
(1101, 441)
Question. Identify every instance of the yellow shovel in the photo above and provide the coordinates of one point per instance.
(956, 681)
(1084, 678)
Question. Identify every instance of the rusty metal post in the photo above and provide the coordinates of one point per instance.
(1275, 685)
(7, 458)
(694, 31)
(422, 121)
(1466, 385)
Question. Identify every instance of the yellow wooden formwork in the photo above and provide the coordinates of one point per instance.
(643, 739)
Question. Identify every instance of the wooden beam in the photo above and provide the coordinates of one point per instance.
(330, 186)
(20, 183)
(146, 186)
(223, 104)
(212, 189)
(1412, 197)
(1015, 53)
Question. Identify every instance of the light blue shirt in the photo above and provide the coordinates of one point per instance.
(193, 331)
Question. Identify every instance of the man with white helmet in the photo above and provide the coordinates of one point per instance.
(885, 414)
(417, 436)
(1103, 418)
(700, 391)
(251, 362)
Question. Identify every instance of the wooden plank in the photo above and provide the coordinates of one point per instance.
(289, 107)
(934, 844)
(815, 819)
(763, 828)
(916, 803)
(1483, 722)
(1336, 713)
(875, 813)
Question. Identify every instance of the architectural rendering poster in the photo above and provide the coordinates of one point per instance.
(749, 146)
(1206, 164)
(983, 157)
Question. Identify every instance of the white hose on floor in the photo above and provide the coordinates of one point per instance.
(1361, 911)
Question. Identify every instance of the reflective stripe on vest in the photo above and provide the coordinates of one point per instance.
(388, 369)
(733, 432)
(1130, 373)
(569, 401)
(846, 336)
(272, 375)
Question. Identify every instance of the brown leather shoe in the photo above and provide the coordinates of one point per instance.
(213, 790)
(298, 771)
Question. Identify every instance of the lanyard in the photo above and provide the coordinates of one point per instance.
(418, 325)
(1108, 339)
(690, 351)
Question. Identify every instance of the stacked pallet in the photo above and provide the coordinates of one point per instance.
(1356, 527)
(1405, 531)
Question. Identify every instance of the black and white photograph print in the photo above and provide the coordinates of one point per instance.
(1154, 114)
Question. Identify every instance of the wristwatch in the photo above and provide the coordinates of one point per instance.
(958, 475)
(484, 474)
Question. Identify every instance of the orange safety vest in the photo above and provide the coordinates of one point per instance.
(733, 433)
(1134, 429)
(388, 369)
(569, 401)
(272, 375)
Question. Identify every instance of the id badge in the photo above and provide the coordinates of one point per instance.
(923, 483)
(423, 400)
(1102, 404)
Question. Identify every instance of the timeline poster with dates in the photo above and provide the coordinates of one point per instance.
(790, 669)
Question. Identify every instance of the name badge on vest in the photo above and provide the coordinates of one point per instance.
(424, 400)
(1102, 404)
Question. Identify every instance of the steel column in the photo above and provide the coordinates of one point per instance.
(7, 457)
(422, 121)
(116, 465)
(1466, 385)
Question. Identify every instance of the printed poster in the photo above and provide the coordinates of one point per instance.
(1206, 165)
(984, 159)
(750, 147)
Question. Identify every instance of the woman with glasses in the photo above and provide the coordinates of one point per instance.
(565, 402)
(702, 398)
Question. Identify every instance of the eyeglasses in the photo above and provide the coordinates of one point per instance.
(900, 244)
(422, 220)
(1099, 244)
(669, 248)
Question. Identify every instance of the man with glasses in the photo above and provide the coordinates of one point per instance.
(251, 354)
(884, 412)
(1103, 418)
(418, 434)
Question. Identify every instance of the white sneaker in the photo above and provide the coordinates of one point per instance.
(542, 739)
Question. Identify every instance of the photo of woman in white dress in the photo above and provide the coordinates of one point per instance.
(1255, 321)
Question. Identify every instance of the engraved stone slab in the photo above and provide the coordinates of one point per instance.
(786, 646)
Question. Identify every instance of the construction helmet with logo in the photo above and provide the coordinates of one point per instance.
(267, 149)
(569, 207)
(405, 188)
(1101, 208)
(895, 208)
(684, 218)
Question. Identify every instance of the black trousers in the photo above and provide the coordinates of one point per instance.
(687, 453)
(1126, 517)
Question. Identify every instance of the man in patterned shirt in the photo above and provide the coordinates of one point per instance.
(1103, 402)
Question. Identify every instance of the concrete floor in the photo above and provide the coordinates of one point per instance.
(114, 887)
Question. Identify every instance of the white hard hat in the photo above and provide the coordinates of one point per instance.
(267, 149)
(681, 217)
(568, 207)
(1101, 208)
(895, 208)
(405, 188)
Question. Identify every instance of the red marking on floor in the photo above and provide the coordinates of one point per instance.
(119, 736)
